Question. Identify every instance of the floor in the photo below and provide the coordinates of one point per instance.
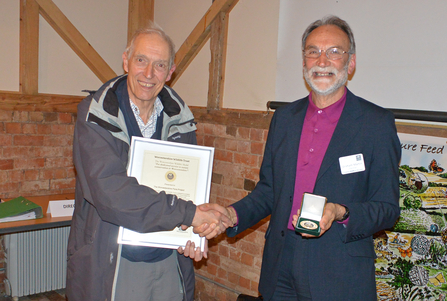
(58, 295)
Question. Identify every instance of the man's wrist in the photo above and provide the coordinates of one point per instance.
(345, 215)
(233, 215)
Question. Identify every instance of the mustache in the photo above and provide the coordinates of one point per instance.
(317, 69)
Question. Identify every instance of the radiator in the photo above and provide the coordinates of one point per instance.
(36, 261)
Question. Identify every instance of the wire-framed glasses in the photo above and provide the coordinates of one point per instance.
(332, 53)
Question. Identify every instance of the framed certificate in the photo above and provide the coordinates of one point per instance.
(181, 169)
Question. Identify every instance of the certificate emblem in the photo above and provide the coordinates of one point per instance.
(308, 225)
(170, 176)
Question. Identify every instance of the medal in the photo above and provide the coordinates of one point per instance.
(308, 225)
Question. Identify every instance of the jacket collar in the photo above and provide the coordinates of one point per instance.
(105, 111)
(344, 133)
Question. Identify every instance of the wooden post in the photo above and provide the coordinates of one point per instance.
(218, 45)
(29, 47)
(141, 12)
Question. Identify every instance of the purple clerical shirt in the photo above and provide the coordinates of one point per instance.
(319, 125)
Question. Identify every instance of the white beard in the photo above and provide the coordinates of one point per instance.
(341, 78)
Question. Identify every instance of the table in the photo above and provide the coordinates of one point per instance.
(41, 223)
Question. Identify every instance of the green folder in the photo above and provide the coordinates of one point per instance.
(18, 209)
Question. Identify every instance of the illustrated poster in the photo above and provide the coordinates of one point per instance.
(412, 258)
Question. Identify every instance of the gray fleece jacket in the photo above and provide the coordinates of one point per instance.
(107, 198)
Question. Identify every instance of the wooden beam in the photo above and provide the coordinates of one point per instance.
(198, 37)
(29, 47)
(141, 13)
(13, 101)
(75, 40)
(232, 117)
(218, 45)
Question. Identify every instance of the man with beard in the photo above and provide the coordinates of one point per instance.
(336, 145)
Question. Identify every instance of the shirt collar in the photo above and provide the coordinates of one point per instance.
(158, 107)
(333, 112)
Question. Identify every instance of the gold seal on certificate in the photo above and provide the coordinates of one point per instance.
(170, 176)
(179, 169)
(309, 225)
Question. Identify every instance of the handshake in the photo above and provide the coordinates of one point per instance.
(209, 221)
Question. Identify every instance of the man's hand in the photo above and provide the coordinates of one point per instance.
(193, 252)
(210, 220)
(208, 229)
(332, 212)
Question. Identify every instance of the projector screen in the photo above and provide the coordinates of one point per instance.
(401, 50)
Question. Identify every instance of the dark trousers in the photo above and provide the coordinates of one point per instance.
(293, 278)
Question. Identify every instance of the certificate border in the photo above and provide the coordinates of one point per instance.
(206, 156)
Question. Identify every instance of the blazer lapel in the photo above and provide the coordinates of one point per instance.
(344, 132)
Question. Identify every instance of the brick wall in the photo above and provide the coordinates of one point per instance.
(36, 159)
(36, 153)
(234, 264)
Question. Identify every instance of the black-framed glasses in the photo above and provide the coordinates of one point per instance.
(332, 53)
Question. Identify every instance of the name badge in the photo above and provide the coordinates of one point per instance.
(61, 208)
(352, 164)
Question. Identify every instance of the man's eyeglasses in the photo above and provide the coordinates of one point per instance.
(141, 62)
(332, 53)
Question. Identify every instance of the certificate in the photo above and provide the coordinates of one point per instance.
(180, 169)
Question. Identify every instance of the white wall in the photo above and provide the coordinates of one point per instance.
(251, 53)
(251, 57)
(105, 28)
(401, 50)
(401, 47)
(60, 70)
(178, 19)
(9, 45)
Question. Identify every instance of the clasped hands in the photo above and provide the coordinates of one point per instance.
(209, 221)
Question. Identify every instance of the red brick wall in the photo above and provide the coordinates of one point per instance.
(36, 153)
(36, 159)
(234, 264)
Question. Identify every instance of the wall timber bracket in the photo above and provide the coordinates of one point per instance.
(14, 101)
(231, 117)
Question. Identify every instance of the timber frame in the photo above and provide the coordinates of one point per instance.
(213, 25)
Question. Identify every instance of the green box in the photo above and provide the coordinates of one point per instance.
(312, 208)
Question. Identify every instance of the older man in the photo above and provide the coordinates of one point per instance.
(312, 146)
(136, 104)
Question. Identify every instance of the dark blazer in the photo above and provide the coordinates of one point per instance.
(342, 259)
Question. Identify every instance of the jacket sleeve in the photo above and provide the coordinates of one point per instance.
(376, 206)
(100, 162)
